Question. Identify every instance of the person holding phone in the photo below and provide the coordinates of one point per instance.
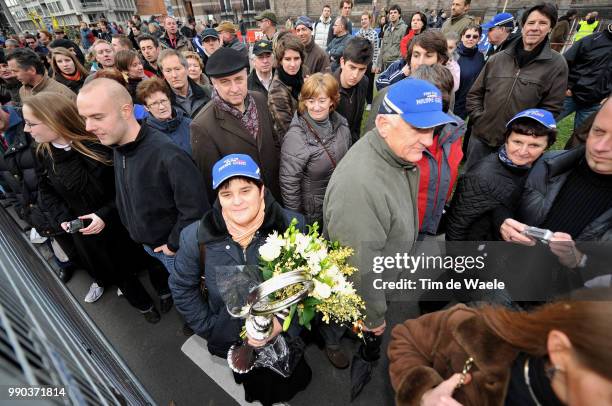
(77, 189)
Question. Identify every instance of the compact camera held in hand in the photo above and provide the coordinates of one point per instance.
(540, 234)
(75, 225)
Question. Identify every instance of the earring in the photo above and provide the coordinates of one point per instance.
(551, 371)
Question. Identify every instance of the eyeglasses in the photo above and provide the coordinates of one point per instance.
(471, 36)
(158, 103)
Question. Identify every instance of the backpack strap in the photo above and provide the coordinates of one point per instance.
(202, 263)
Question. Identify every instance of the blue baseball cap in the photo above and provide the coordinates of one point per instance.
(500, 20)
(234, 165)
(543, 117)
(417, 101)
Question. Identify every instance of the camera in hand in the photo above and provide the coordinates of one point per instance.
(540, 234)
(75, 225)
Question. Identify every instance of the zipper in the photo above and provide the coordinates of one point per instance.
(512, 88)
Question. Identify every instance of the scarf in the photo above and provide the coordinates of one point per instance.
(505, 159)
(295, 82)
(249, 120)
(524, 57)
(75, 77)
(243, 235)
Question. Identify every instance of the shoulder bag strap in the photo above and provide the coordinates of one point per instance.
(331, 158)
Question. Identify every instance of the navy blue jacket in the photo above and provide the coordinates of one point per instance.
(210, 319)
(391, 75)
(471, 62)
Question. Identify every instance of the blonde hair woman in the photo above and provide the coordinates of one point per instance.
(317, 139)
(67, 69)
(195, 68)
(78, 186)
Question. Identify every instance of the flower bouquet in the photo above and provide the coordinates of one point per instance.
(322, 262)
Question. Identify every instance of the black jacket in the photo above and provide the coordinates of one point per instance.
(159, 189)
(9, 91)
(486, 195)
(73, 184)
(352, 104)
(209, 318)
(590, 68)
(544, 184)
(19, 171)
(255, 84)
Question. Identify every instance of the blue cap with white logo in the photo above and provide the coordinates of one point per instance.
(417, 101)
(543, 117)
(234, 165)
(500, 20)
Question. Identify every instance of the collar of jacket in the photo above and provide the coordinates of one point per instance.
(39, 85)
(455, 20)
(179, 37)
(324, 21)
(335, 119)
(449, 132)
(308, 47)
(510, 49)
(196, 91)
(130, 147)
(559, 163)
(465, 51)
(212, 226)
(379, 145)
(167, 125)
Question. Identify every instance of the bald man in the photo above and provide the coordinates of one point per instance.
(159, 190)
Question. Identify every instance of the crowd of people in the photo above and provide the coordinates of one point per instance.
(177, 151)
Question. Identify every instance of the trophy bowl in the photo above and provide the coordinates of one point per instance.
(259, 312)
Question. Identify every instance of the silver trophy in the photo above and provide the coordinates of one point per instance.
(259, 312)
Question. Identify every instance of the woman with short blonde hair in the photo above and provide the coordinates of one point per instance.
(195, 68)
(316, 141)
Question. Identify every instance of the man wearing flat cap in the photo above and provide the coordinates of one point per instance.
(227, 32)
(315, 58)
(261, 76)
(266, 21)
(236, 121)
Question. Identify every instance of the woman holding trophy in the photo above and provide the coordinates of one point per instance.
(215, 256)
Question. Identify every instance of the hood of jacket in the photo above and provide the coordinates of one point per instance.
(167, 126)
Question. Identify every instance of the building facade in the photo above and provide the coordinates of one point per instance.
(32, 15)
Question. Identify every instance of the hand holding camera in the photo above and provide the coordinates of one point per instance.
(95, 226)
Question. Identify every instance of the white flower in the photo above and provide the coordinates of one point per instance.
(321, 290)
(272, 248)
(301, 244)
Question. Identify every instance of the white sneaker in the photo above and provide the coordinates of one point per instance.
(368, 107)
(95, 292)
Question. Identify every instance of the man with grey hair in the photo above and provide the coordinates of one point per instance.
(187, 95)
(11, 44)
